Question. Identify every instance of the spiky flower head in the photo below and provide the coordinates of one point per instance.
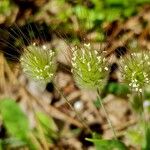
(135, 69)
(90, 69)
(38, 63)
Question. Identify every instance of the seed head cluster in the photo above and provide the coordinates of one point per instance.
(135, 70)
(90, 69)
(38, 62)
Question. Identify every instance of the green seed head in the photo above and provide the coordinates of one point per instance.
(90, 69)
(135, 70)
(38, 63)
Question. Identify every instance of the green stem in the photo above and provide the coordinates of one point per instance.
(106, 114)
(77, 113)
(143, 113)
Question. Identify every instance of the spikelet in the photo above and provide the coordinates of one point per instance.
(38, 63)
(135, 69)
(90, 70)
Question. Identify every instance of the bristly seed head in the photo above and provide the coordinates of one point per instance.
(90, 69)
(38, 62)
(135, 69)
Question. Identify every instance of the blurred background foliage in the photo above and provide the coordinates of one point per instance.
(79, 16)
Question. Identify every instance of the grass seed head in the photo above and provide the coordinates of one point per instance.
(90, 69)
(135, 70)
(38, 63)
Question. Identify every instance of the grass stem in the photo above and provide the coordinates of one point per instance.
(77, 113)
(106, 114)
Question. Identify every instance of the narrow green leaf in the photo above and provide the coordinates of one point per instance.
(107, 144)
(46, 121)
(48, 125)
